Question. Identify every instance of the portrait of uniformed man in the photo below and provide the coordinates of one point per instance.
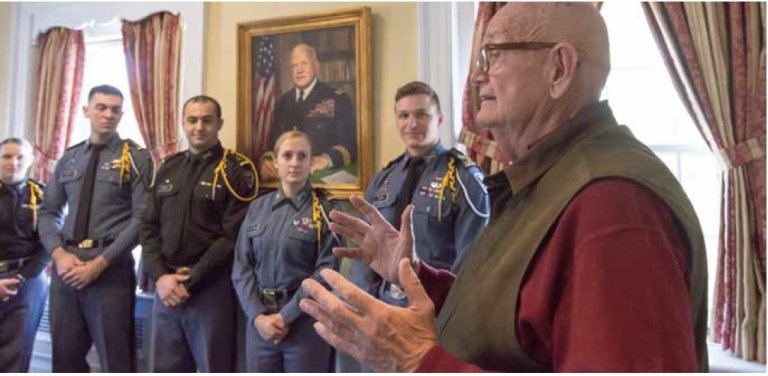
(324, 113)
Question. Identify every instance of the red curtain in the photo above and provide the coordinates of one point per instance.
(153, 58)
(60, 79)
(715, 53)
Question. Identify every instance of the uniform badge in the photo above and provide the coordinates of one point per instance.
(165, 187)
(209, 184)
(304, 225)
(69, 174)
(323, 109)
(396, 292)
(249, 178)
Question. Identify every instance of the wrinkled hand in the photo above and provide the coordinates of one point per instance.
(318, 163)
(8, 287)
(380, 245)
(267, 170)
(171, 290)
(82, 275)
(64, 261)
(271, 327)
(385, 338)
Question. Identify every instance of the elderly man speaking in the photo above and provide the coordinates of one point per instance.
(593, 260)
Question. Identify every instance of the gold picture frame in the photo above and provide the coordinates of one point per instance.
(337, 110)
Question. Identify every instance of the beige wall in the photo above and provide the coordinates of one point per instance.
(5, 57)
(393, 58)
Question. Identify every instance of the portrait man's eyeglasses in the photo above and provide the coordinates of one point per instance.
(483, 59)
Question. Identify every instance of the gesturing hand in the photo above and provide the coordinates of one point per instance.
(379, 244)
(384, 337)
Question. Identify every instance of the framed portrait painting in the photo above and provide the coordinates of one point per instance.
(310, 73)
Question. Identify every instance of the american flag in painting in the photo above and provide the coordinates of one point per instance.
(263, 63)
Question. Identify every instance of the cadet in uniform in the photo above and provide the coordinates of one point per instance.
(283, 240)
(325, 114)
(104, 182)
(23, 288)
(450, 201)
(188, 237)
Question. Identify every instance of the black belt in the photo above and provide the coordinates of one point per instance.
(12, 265)
(275, 298)
(89, 243)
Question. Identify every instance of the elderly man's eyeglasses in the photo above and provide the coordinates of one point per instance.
(487, 51)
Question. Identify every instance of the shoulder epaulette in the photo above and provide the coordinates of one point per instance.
(390, 163)
(133, 144)
(465, 161)
(75, 145)
(323, 194)
(37, 183)
(172, 156)
(240, 159)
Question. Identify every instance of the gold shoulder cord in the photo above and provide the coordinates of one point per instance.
(449, 180)
(221, 170)
(35, 196)
(316, 209)
(127, 163)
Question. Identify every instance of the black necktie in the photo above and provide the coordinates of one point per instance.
(415, 168)
(86, 194)
(301, 96)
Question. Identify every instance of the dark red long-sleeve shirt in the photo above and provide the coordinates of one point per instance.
(607, 292)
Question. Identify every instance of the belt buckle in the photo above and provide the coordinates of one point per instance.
(396, 292)
(4, 266)
(86, 244)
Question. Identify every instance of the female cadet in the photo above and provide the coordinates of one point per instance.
(283, 240)
(23, 287)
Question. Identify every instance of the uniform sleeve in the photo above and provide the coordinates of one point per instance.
(129, 237)
(243, 276)
(360, 274)
(36, 264)
(345, 152)
(151, 239)
(474, 212)
(51, 219)
(221, 250)
(325, 260)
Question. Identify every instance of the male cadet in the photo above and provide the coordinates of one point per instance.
(23, 288)
(188, 237)
(446, 189)
(325, 114)
(104, 182)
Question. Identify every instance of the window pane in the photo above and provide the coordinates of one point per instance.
(105, 64)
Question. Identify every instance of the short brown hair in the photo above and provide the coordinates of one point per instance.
(418, 88)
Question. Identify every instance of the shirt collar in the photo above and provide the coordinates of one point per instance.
(429, 158)
(307, 90)
(17, 187)
(296, 201)
(214, 151)
(113, 143)
(547, 151)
